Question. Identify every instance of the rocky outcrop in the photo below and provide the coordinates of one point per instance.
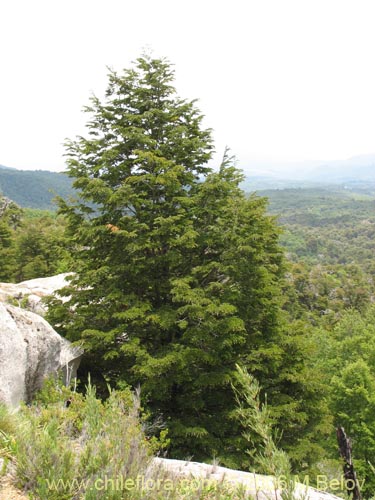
(256, 485)
(29, 294)
(30, 350)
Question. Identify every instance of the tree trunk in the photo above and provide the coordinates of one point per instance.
(350, 476)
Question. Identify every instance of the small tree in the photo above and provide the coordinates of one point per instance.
(178, 273)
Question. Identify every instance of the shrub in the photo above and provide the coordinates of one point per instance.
(93, 450)
(61, 452)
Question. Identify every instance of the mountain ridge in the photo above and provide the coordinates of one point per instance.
(34, 188)
(37, 188)
(361, 167)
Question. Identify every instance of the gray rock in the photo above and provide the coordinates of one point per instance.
(29, 294)
(30, 350)
(256, 485)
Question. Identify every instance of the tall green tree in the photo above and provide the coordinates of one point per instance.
(178, 273)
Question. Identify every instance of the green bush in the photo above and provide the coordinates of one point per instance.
(88, 449)
(61, 452)
(93, 450)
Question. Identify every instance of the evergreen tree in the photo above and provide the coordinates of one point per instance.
(178, 273)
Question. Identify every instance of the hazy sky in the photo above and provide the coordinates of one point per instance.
(276, 79)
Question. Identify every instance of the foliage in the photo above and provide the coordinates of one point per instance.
(61, 451)
(41, 249)
(328, 235)
(10, 215)
(330, 288)
(32, 244)
(92, 450)
(346, 358)
(257, 420)
(6, 251)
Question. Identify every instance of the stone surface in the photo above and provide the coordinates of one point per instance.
(10, 492)
(259, 486)
(30, 350)
(28, 294)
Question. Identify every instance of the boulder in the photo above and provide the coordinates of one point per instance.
(255, 485)
(30, 350)
(29, 294)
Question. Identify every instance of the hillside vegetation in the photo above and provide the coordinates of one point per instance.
(34, 188)
(329, 291)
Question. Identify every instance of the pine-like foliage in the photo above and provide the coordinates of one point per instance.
(178, 273)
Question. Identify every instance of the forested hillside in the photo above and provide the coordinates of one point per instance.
(330, 226)
(328, 235)
(34, 188)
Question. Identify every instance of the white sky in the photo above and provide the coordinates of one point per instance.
(276, 79)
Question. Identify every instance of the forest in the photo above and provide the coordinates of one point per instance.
(180, 277)
(34, 189)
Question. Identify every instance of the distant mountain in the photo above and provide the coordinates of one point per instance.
(355, 172)
(37, 188)
(263, 182)
(34, 188)
(7, 168)
(355, 169)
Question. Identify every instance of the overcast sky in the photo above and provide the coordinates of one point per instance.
(276, 79)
